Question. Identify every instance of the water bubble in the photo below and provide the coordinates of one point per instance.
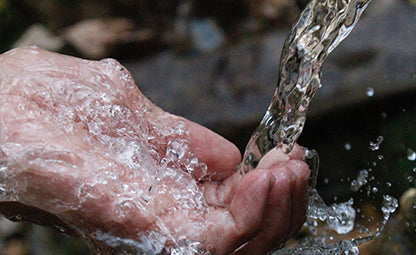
(376, 145)
(411, 155)
(347, 146)
(370, 92)
(388, 184)
(374, 189)
(380, 157)
(410, 178)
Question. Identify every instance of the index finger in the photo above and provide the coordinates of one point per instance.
(220, 155)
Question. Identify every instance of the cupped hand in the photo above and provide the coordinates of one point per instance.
(81, 147)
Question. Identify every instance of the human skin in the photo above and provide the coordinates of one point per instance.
(82, 147)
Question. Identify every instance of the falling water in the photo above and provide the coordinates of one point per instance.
(320, 28)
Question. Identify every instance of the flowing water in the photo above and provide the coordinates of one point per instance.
(170, 173)
(320, 28)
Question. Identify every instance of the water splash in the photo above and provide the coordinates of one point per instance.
(321, 27)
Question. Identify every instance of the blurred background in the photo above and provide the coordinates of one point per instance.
(216, 62)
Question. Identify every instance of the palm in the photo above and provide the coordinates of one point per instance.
(79, 141)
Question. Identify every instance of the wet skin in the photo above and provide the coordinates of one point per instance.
(67, 122)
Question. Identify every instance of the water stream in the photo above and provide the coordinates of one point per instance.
(154, 151)
(320, 28)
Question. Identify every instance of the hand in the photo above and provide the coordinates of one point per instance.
(81, 147)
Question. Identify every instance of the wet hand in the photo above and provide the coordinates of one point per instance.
(80, 144)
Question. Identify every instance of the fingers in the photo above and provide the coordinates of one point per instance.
(220, 155)
(285, 208)
(243, 219)
(275, 157)
(299, 195)
(277, 216)
(267, 206)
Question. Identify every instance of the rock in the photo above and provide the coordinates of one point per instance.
(408, 209)
(206, 35)
(39, 35)
(399, 233)
(275, 9)
(99, 38)
(60, 14)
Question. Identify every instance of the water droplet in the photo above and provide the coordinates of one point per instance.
(380, 157)
(347, 146)
(410, 178)
(388, 184)
(176, 149)
(360, 181)
(376, 145)
(411, 155)
(370, 92)
(374, 189)
(390, 205)
(326, 181)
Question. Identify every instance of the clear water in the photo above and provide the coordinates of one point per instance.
(320, 28)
